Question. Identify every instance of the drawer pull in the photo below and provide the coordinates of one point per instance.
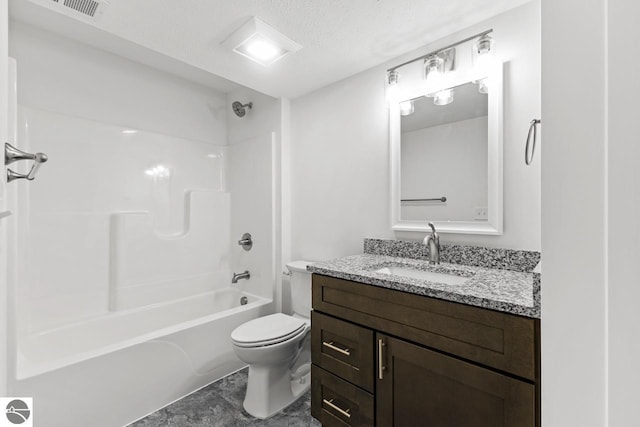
(381, 366)
(332, 405)
(332, 346)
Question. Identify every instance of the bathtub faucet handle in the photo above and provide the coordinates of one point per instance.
(246, 242)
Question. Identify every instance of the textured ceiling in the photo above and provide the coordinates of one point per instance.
(339, 37)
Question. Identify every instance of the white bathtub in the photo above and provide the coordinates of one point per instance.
(114, 369)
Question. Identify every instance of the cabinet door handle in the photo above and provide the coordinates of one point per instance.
(332, 405)
(381, 366)
(332, 346)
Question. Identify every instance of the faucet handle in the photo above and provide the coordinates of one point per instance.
(434, 233)
(246, 242)
(433, 227)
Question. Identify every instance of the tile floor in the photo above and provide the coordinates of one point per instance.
(220, 405)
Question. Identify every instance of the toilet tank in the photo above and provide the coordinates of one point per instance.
(300, 287)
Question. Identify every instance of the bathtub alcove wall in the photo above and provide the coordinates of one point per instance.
(126, 241)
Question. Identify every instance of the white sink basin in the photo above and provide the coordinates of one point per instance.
(449, 279)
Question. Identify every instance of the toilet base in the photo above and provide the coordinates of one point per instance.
(270, 389)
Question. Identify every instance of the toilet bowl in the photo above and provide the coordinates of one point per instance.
(277, 349)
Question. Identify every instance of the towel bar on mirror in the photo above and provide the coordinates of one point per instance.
(437, 199)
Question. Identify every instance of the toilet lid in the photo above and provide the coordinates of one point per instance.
(268, 328)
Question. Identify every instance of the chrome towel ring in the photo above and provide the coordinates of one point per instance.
(528, 157)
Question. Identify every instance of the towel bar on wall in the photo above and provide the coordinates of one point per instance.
(12, 154)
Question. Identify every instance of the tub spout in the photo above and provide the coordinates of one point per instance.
(238, 276)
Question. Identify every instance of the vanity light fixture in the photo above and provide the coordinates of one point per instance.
(260, 42)
(482, 58)
(444, 97)
(433, 73)
(438, 62)
(407, 108)
(483, 45)
(435, 68)
(483, 86)
(393, 77)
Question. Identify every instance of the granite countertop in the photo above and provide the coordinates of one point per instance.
(510, 291)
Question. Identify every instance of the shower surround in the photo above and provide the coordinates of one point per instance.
(123, 248)
(129, 233)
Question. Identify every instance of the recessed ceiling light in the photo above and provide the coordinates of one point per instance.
(260, 42)
(261, 49)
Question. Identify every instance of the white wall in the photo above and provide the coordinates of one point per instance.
(591, 206)
(340, 151)
(254, 180)
(251, 187)
(624, 211)
(339, 168)
(4, 28)
(67, 77)
(458, 171)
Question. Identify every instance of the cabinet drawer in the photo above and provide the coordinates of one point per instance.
(499, 340)
(335, 402)
(342, 348)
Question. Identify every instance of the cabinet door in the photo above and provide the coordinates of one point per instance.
(420, 387)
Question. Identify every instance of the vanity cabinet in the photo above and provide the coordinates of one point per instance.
(388, 358)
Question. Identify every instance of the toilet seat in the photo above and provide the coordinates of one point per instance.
(268, 330)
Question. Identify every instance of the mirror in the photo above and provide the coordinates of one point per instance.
(447, 161)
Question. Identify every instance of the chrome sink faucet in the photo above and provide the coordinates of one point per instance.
(433, 242)
(238, 276)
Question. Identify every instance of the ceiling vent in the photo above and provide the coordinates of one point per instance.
(86, 8)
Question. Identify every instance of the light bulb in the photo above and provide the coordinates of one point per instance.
(483, 85)
(392, 87)
(444, 97)
(434, 83)
(406, 108)
(262, 49)
(483, 56)
(482, 65)
(484, 44)
(434, 74)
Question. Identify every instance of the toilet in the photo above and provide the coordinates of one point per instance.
(277, 349)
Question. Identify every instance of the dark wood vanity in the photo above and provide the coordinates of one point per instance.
(383, 357)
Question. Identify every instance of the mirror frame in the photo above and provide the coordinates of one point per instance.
(493, 225)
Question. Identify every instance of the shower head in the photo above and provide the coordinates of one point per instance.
(241, 109)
